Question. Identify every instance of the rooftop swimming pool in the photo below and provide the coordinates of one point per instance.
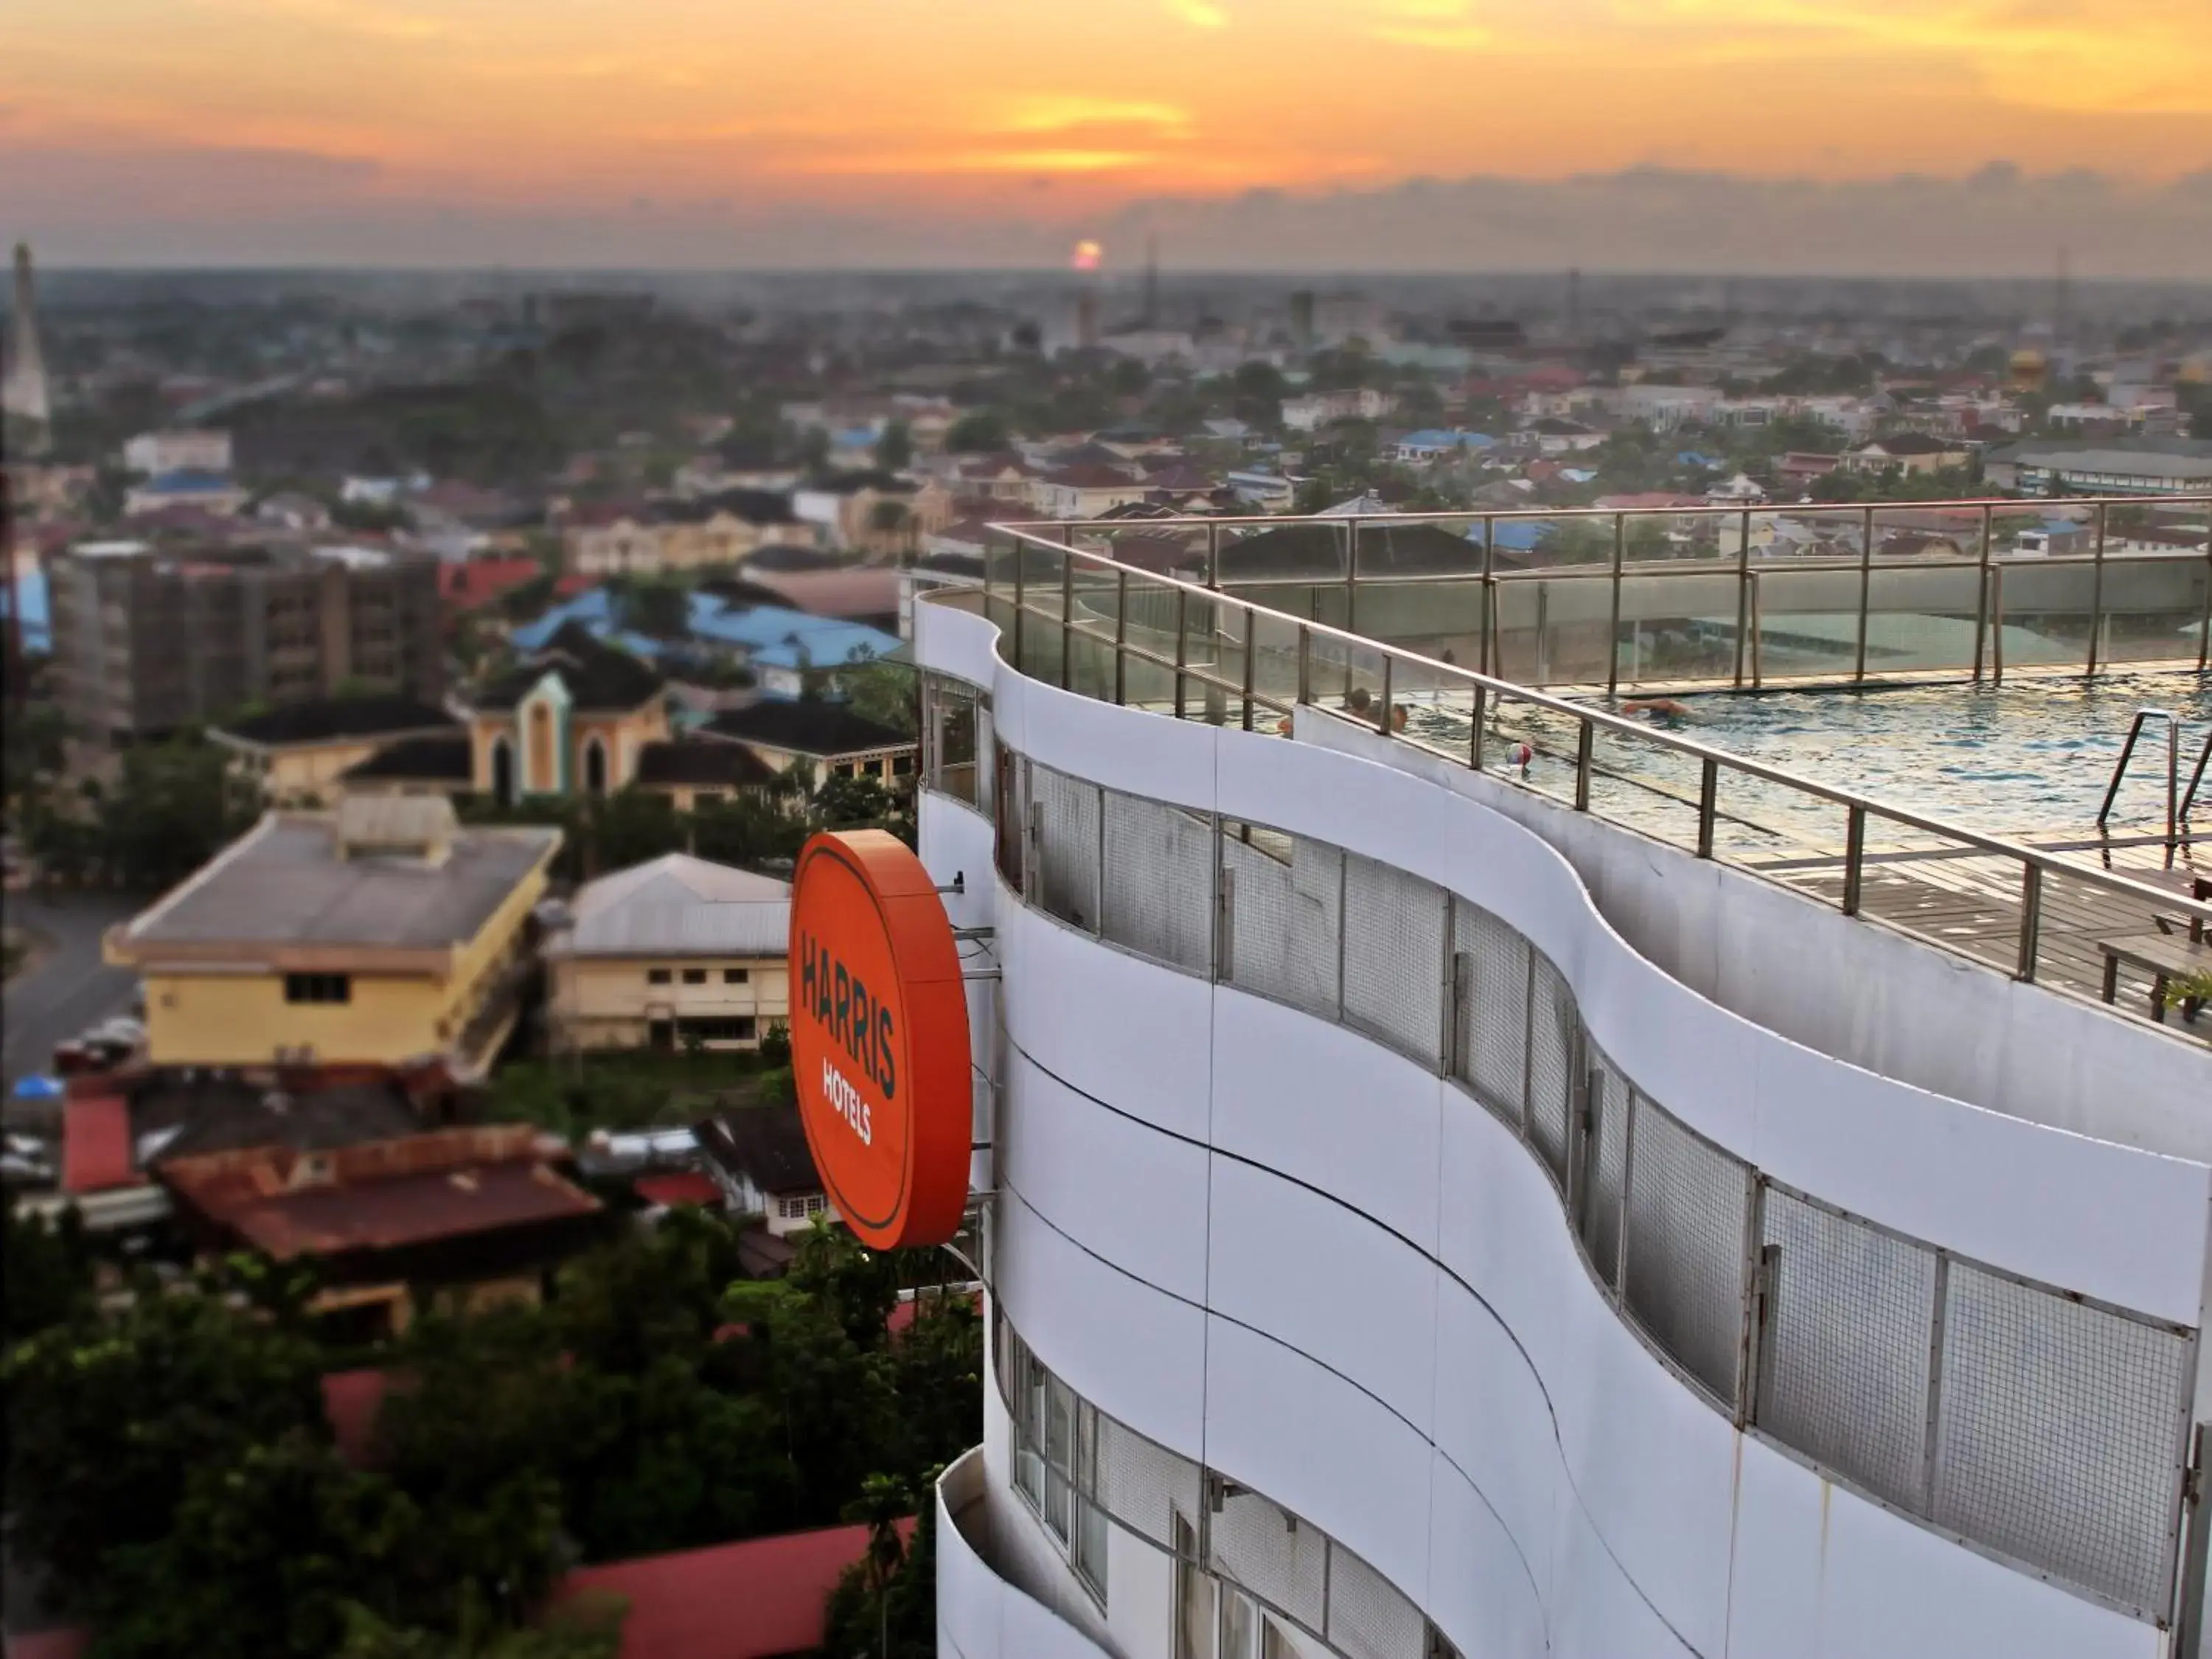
(2035, 754)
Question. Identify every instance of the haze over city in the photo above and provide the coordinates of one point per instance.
(1950, 137)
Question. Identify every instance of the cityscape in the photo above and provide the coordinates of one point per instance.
(1144, 867)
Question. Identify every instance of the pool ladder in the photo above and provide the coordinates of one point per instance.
(2179, 801)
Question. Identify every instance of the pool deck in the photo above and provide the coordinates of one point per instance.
(1970, 904)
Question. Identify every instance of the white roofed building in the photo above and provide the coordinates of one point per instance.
(668, 953)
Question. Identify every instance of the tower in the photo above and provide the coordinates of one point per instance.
(2061, 295)
(1152, 282)
(23, 390)
(1574, 307)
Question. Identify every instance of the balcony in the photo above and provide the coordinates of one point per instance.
(1390, 1044)
(981, 1615)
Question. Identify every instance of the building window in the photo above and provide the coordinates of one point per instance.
(318, 987)
(656, 976)
(799, 1209)
(694, 976)
(595, 767)
(734, 976)
(719, 1028)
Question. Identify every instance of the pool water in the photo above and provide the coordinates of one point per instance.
(2036, 754)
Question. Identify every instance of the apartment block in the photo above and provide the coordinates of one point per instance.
(146, 640)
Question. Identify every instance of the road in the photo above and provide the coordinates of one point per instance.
(70, 988)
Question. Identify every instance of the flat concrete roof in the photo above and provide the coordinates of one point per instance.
(285, 882)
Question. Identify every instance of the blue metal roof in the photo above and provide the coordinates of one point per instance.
(593, 607)
(189, 481)
(772, 633)
(29, 603)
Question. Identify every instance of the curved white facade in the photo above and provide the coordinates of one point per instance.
(1294, 1255)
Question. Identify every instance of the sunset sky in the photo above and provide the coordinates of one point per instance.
(888, 130)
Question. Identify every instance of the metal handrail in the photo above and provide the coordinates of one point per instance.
(2172, 766)
(1985, 558)
(1277, 520)
(2036, 864)
(2196, 778)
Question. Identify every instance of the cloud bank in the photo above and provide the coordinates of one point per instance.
(258, 207)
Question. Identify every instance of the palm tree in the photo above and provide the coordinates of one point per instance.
(884, 1501)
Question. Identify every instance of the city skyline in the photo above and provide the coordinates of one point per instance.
(670, 131)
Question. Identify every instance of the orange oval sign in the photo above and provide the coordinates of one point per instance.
(879, 1038)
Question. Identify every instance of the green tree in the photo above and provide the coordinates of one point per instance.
(49, 1273)
(661, 608)
(107, 1421)
(175, 805)
(854, 803)
(587, 1626)
(937, 1368)
(476, 1440)
(884, 1606)
(31, 737)
(894, 448)
(262, 1555)
(888, 693)
(981, 432)
(890, 518)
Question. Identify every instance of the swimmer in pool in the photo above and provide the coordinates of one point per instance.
(1655, 708)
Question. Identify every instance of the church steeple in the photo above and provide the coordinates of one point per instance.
(23, 390)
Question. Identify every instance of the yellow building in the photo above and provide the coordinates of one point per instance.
(578, 716)
(298, 753)
(671, 952)
(382, 934)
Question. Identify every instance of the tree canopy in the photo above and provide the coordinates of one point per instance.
(169, 1460)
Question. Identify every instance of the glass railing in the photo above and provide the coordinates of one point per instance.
(1193, 633)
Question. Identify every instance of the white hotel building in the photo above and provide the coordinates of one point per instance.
(1426, 1216)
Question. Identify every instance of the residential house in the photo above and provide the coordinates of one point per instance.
(1084, 491)
(1663, 408)
(2115, 466)
(1909, 452)
(1309, 412)
(1556, 435)
(195, 449)
(1270, 492)
(670, 953)
(452, 1219)
(996, 478)
(819, 739)
(1801, 467)
(760, 1155)
(211, 492)
(612, 538)
(299, 752)
(1740, 490)
(289, 509)
(1431, 445)
(843, 509)
(383, 933)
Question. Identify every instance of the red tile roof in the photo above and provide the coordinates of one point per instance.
(96, 1145)
(378, 1194)
(465, 584)
(749, 1601)
(351, 1401)
(677, 1186)
(70, 1642)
